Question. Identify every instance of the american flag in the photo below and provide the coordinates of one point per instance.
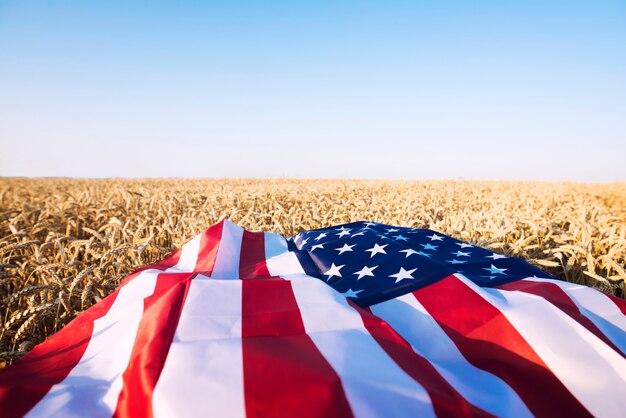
(362, 319)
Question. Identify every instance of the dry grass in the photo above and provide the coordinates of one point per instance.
(65, 244)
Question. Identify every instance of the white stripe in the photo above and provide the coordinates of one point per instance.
(598, 308)
(188, 257)
(227, 261)
(94, 384)
(278, 259)
(203, 372)
(411, 320)
(374, 384)
(593, 372)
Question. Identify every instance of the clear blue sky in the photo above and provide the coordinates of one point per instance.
(374, 89)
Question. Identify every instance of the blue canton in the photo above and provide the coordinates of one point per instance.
(370, 262)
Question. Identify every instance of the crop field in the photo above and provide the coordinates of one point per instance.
(66, 244)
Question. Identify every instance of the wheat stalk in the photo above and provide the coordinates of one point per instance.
(65, 244)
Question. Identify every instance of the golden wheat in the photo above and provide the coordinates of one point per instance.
(66, 244)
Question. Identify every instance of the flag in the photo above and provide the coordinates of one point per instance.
(357, 320)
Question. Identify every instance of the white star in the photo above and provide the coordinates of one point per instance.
(400, 238)
(333, 271)
(495, 270)
(495, 256)
(377, 249)
(390, 230)
(316, 246)
(357, 233)
(435, 237)
(351, 293)
(370, 223)
(303, 243)
(365, 271)
(464, 245)
(461, 254)
(320, 236)
(345, 248)
(403, 274)
(409, 251)
(343, 232)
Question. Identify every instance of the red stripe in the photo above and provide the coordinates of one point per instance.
(209, 246)
(284, 372)
(26, 382)
(154, 336)
(554, 294)
(156, 330)
(252, 262)
(490, 342)
(446, 400)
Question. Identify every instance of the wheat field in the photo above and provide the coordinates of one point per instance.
(66, 244)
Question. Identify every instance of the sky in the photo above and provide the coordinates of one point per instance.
(526, 90)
